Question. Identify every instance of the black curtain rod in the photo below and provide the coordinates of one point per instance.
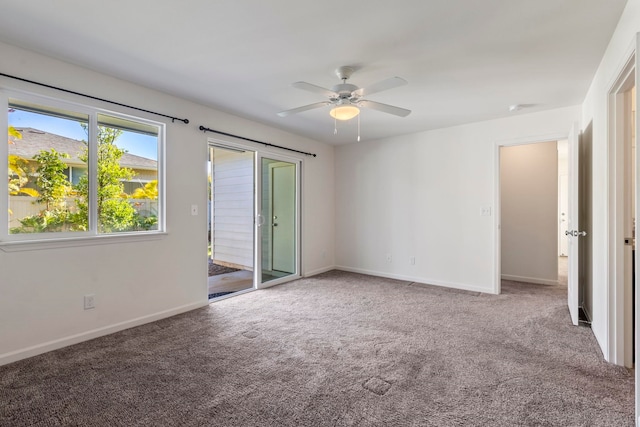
(204, 129)
(173, 119)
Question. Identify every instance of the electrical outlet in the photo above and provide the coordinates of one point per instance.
(389, 258)
(89, 301)
(485, 211)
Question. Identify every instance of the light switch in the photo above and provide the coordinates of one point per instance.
(194, 210)
(485, 211)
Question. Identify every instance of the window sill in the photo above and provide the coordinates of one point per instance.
(35, 245)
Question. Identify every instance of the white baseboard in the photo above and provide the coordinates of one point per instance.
(35, 350)
(427, 281)
(319, 271)
(536, 280)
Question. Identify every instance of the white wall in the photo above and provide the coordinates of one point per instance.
(421, 196)
(529, 212)
(41, 292)
(595, 109)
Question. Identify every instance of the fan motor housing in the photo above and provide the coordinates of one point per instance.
(344, 89)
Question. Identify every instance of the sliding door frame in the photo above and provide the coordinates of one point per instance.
(260, 221)
(258, 215)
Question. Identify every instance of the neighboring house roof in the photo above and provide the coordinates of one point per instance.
(34, 140)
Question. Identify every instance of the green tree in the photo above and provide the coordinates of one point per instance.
(51, 180)
(53, 187)
(146, 220)
(115, 213)
(18, 170)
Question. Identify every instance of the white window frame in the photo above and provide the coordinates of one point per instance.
(30, 241)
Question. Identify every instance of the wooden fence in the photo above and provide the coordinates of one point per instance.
(22, 206)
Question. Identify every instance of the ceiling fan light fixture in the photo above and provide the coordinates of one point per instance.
(344, 112)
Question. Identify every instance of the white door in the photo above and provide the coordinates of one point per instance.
(278, 224)
(573, 231)
(636, 320)
(629, 224)
(563, 226)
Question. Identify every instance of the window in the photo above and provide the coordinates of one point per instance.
(75, 171)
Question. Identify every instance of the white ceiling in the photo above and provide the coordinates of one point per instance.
(465, 60)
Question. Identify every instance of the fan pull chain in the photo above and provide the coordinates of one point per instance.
(358, 127)
(335, 126)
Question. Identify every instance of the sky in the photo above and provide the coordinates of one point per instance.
(135, 143)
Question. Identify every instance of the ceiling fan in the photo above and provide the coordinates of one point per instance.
(347, 99)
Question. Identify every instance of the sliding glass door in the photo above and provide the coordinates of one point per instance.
(278, 219)
(254, 219)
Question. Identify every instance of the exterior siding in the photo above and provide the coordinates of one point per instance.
(232, 188)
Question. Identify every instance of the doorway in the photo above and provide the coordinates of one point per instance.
(254, 217)
(623, 213)
(529, 212)
(541, 265)
(231, 230)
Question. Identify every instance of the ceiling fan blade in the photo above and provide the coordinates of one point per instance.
(303, 108)
(389, 83)
(385, 108)
(315, 89)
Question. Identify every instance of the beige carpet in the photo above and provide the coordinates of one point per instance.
(338, 349)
